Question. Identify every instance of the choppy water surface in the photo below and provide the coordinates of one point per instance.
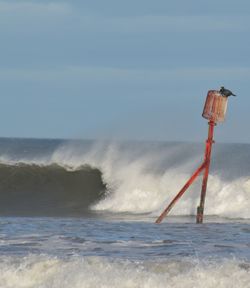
(52, 252)
(123, 239)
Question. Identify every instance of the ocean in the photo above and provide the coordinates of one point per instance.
(81, 213)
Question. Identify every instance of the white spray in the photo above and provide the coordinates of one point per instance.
(135, 185)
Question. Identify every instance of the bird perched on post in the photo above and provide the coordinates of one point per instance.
(225, 92)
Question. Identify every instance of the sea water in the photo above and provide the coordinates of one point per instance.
(81, 214)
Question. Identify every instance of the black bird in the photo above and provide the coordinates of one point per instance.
(226, 92)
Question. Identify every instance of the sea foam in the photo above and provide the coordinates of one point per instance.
(44, 271)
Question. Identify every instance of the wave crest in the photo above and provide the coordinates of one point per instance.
(48, 190)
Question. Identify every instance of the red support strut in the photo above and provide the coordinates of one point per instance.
(178, 196)
(205, 165)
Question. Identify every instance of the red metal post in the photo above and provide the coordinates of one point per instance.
(214, 110)
(208, 150)
(182, 191)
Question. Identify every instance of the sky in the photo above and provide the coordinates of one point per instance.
(129, 70)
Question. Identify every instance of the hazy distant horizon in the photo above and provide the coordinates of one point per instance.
(121, 141)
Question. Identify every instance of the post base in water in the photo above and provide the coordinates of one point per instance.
(199, 216)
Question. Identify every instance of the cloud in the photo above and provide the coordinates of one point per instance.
(88, 21)
(28, 7)
(147, 24)
(116, 76)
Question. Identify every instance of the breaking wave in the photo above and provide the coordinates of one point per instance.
(126, 178)
(51, 190)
